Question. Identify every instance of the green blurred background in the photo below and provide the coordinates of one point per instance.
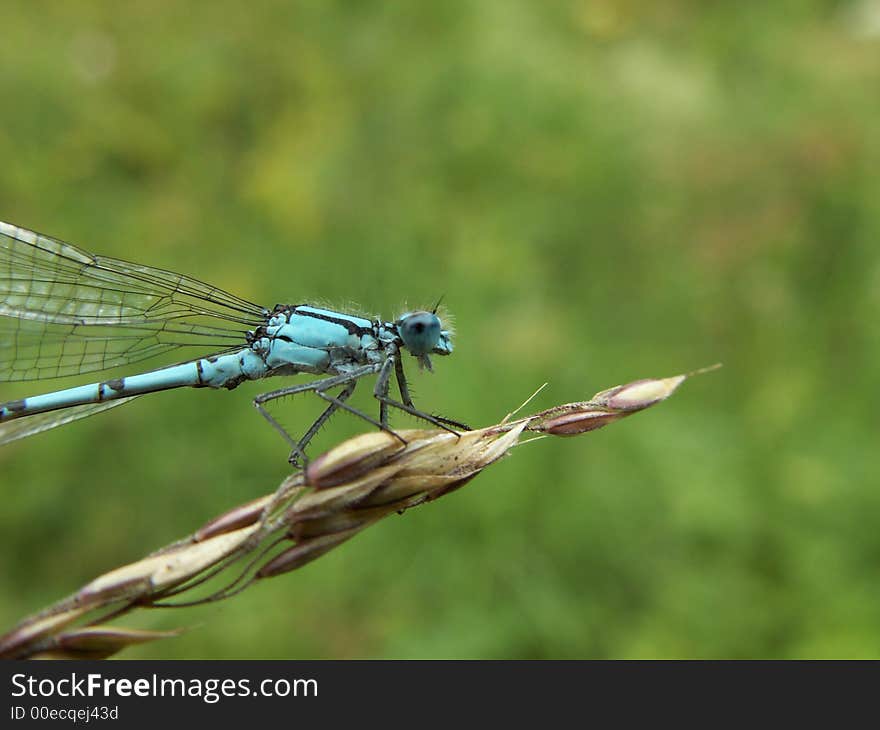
(602, 190)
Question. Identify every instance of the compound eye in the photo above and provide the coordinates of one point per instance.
(420, 332)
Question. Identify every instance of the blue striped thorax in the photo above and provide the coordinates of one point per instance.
(306, 338)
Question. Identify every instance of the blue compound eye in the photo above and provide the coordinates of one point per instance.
(420, 332)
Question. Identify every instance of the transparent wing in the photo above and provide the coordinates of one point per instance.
(34, 350)
(21, 428)
(64, 311)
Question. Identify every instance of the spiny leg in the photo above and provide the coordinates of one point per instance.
(401, 382)
(407, 399)
(277, 426)
(381, 394)
(451, 422)
(438, 421)
(382, 387)
(316, 385)
(322, 393)
(300, 450)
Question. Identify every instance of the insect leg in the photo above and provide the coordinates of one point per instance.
(381, 394)
(348, 380)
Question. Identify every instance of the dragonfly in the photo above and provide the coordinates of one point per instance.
(65, 311)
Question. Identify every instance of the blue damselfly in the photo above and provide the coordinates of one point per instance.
(65, 311)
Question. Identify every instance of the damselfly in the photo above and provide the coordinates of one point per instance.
(64, 311)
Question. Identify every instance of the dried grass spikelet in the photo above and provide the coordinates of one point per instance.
(343, 491)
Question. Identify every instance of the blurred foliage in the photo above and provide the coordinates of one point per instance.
(602, 190)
